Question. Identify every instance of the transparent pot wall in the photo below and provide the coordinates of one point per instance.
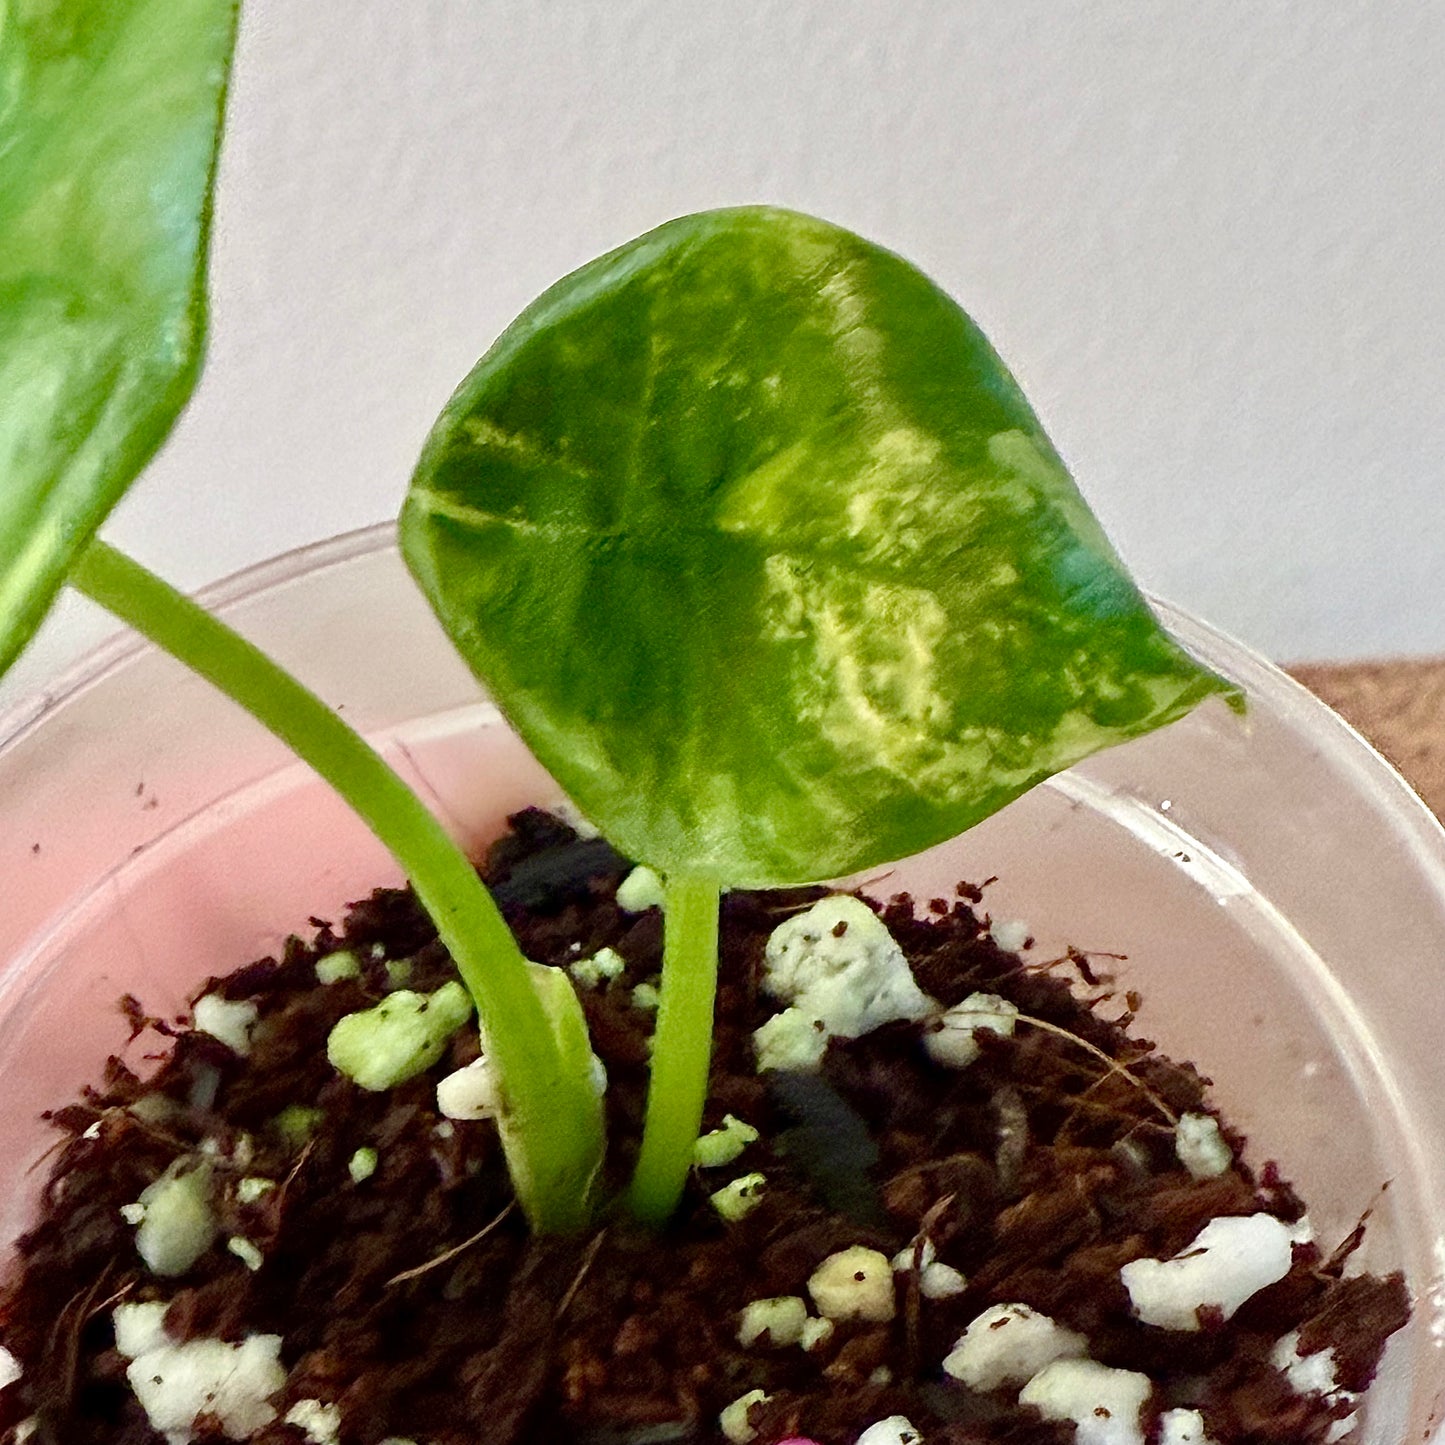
(1279, 894)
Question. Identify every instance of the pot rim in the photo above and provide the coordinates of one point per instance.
(97, 663)
(1332, 733)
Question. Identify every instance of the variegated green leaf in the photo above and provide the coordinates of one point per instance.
(759, 545)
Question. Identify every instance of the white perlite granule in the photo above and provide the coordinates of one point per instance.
(778, 1322)
(935, 1280)
(854, 1284)
(253, 1188)
(398, 1038)
(470, 1093)
(475, 1091)
(941, 1281)
(175, 1383)
(721, 1146)
(176, 1223)
(1200, 1147)
(895, 1430)
(246, 1251)
(10, 1370)
(1182, 1427)
(604, 965)
(640, 890)
(1010, 934)
(791, 1039)
(363, 1164)
(737, 1200)
(953, 1044)
(337, 967)
(1008, 1345)
(1104, 1404)
(1314, 1374)
(1228, 1261)
(229, 1022)
(733, 1421)
(841, 973)
(320, 1422)
(139, 1328)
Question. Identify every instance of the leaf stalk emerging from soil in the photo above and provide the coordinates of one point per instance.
(681, 1047)
(554, 1144)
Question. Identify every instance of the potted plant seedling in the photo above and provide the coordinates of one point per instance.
(761, 550)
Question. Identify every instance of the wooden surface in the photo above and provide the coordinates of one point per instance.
(1399, 705)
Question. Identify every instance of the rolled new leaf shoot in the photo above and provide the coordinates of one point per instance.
(758, 544)
(578, 1064)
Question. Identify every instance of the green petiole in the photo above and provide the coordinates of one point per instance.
(554, 1145)
(682, 1047)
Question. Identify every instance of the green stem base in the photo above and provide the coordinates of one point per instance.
(555, 1143)
(681, 1048)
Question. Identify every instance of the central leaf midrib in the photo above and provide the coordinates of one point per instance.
(828, 554)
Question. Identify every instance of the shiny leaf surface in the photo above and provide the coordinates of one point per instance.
(758, 544)
(110, 115)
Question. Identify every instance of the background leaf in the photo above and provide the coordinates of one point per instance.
(758, 544)
(110, 117)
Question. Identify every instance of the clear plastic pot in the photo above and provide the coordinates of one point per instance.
(1278, 891)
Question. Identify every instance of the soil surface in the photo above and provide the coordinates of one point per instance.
(416, 1302)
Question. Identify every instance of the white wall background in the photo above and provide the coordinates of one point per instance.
(1207, 237)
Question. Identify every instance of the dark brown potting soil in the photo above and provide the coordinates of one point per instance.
(416, 1301)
